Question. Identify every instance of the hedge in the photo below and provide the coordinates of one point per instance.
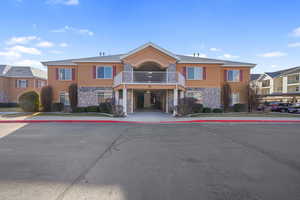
(92, 109)
(217, 110)
(239, 107)
(105, 108)
(207, 110)
(8, 105)
(79, 109)
(29, 102)
(57, 107)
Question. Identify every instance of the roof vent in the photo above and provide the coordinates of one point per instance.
(101, 53)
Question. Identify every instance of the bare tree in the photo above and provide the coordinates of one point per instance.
(73, 96)
(252, 98)
(226, 96)
(46, 98)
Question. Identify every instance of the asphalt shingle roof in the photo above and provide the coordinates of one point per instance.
(254, 77)
(281, 72)
(20, 71)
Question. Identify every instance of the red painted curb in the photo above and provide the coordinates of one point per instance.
(139, 122)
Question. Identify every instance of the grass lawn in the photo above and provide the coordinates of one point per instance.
(11, 109)
(75, 114)
(254, 114)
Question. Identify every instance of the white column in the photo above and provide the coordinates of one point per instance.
(181, 94)
(117, 97)
(125, 101)
(167, 101)
(175, 103)
(284, 84)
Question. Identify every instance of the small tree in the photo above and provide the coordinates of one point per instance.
(29, 102)
(226, 96)
(46, 98)
(73, 96)
(252, 98)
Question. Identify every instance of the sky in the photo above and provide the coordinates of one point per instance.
(265, 32)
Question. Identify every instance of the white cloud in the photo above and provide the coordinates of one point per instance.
(296, 32)
(27, 62)
(26, 50)
(63, 44)
(75, 30)
(214, 49)
(229, 56)
(10, 55)
(45, 44)
(21, 40)
(64, 2)
(273, 54)
(296, 44)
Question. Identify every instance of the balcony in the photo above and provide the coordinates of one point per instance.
(149, 77)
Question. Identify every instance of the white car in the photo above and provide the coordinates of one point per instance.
(294, 108)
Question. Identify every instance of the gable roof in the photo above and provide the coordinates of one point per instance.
(22, 72)
(281, 72)
(254, 77)
(150, 44)
(118, 59)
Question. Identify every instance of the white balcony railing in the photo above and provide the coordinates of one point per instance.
(149, 77)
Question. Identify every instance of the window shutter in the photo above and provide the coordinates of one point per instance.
(184, 72)
(225, 75)
(16, 83)
(36, 83)
(114, 70)
(241, 75)
(204, 73)
(56, 72)
(94, 72)
(73, 74)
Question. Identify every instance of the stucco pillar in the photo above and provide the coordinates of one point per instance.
(175, 101)
(181, 94)
(147, 100)
(125, 101)
(117, 97)
(284, 84)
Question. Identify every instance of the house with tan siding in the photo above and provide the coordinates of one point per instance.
(15, 80)
(148, 77)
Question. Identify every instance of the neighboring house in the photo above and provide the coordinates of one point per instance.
(146, 77)
(283, 85)
(14, 81)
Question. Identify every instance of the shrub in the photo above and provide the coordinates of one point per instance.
(239, 107)
(197, 108)
(46, 98)
(217, 110)
(118, 111)
(8, 105)
(92, 109)
(106, 107)
(29, 102)
(185, 106)
(79, 110)
(57, 107)
(73, 96)
(207, 110)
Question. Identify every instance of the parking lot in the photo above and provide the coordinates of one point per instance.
(134, 162)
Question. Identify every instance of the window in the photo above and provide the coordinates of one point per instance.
(104, 96)
(194, 73)
(265, 83)
(64, 98)
(65, 74)
(40, 84)
(104, 72)
(235, 98)
(22, 84)
(233, 75)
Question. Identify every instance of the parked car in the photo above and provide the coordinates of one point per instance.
(295, 108)
(280, 107)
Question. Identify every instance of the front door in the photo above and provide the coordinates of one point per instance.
(140, 100)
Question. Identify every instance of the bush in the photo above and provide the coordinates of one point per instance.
(46, 98)
(79, 110)
(239, 107)
(207, 110)
(73, 96)
(57, 107)
(185, 106)
(217, 110)
(118, 111)
(197, 108)
(106, 108)
(92, 109)
(8, 105)
(29, 102)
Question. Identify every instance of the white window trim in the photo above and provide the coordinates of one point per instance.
(187, 73)
(238, 97)
(235, 81)
(60, 78)
(19, 85)
(104, 72)
(65, 94)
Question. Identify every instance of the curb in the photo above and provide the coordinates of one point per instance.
(158, 122)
